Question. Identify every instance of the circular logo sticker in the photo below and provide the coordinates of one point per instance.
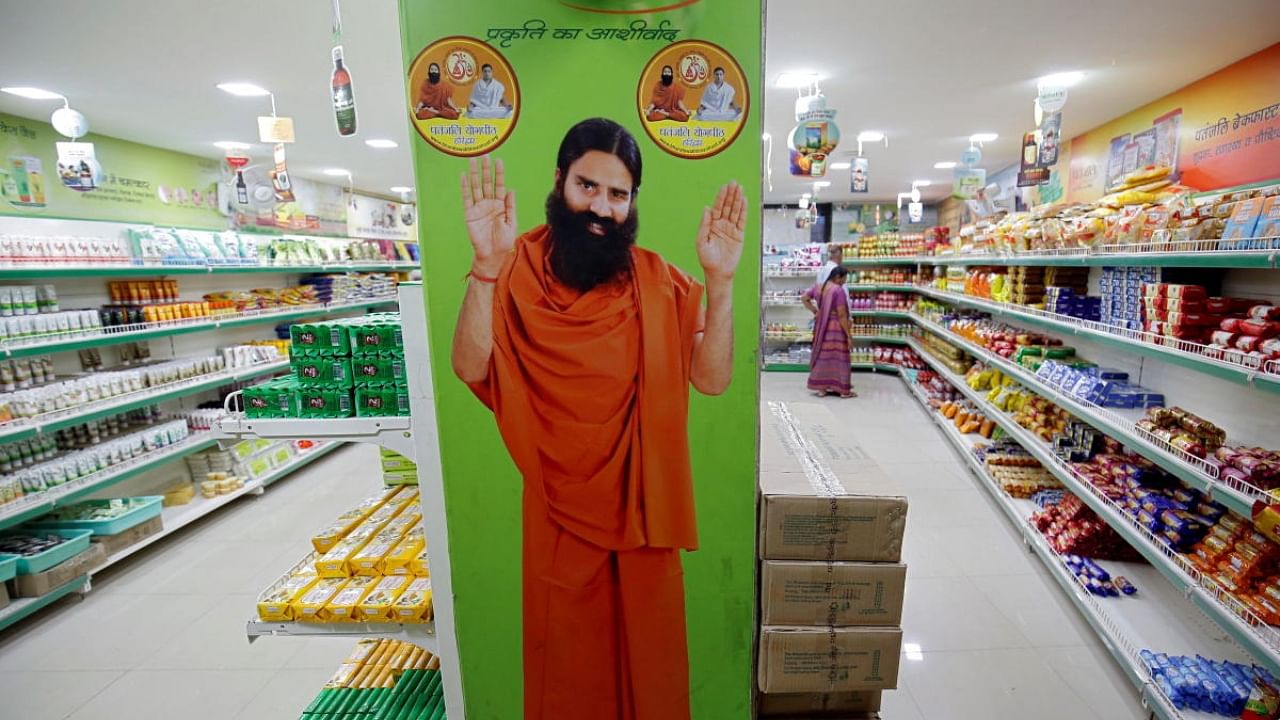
(464, 98)
(693, 99)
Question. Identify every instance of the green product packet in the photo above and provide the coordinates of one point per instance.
(375, 335)
(378, 369)
(330, 338)
(381, 401)
(275, 399)
(322, 371)
(324, 402)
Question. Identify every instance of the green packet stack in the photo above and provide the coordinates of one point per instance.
(417, 695)
(377, 334)
(275, 399)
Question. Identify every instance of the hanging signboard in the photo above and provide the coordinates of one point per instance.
(968, 181)
(859, 182)
(380, 219)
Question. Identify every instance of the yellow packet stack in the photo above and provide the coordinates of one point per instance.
(335, 563)
(308, 605)
(277, 605)
(419, 565)
(404, 553)
(349, 520)
(368, 561)
(376, 606)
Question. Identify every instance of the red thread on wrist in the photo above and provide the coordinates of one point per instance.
(482, 278)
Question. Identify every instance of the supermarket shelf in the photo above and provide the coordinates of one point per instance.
(1155, 618)
(117, 270)
(178, 517)
(1107, 256)
(1195, 471)
(788, 336)
(392, 432)
(22, 607)
(422, 634)
(1262, 641)
(43, 502)
(885, 339)
(901, 314)
(147, 331)
(865, 261)
(51, 422)
(1239, 371)
(803, 368)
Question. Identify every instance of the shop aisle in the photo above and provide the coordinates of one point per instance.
(987, 633)
(161, 635)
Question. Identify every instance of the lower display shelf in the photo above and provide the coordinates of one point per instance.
(1156, 618)
(802, 367)
(394, 432)
(1192, 589)
(22, 607)
(422, 634)
(178, 517)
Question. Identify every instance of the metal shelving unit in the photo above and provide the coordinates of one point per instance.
(1189, 254)
(120, 270)
(24, 428)
(1157, 617)
(61, 342)
(422, 634)
(1234, 366)
(1260, 639)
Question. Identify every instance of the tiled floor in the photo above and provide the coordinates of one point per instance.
(162, 636)
(996, 636)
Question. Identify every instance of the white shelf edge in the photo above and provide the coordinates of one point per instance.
(422, 634)
(394, 432)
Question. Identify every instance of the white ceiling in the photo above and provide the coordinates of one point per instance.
(929, 73)
(146, 71)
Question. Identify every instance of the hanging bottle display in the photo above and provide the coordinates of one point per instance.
(344, 99)
(242, 190)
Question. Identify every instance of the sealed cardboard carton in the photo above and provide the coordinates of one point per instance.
(806, 705)
(841, 593)
(113, 544)
(30, 586)
(822, 660)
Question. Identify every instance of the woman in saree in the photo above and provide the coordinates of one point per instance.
(830, 371)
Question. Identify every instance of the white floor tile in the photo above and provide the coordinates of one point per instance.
(899, 705)
(949, 509)
(286, 695)
(168, 694)
(1039, 609)
(1094, 675)
(926, 475)
(987, 684)
(217, 641)
(50, 695)
(953, 614)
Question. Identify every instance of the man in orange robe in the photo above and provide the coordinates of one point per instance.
(667, 100)
(435, 98)
(584, 347)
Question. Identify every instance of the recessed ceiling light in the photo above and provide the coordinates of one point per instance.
(401, 189)
(337, 172)
(921, 183)
(870, 136)
(841, 166)
(797, 80)
(243, 89)
(31, 93)
(944, 165)
(1062, 79)
(806, 195)
(822, 184)
(983, 137)
(231, 145)
(381, 143)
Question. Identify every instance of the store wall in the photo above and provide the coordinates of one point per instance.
(549, 55)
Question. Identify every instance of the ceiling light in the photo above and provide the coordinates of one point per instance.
(807, 195)
(797, 80)
(243, 89)
(401, 189)
(1062, 79)
(983, 137)
(822, 184)
(381, 143)
(921, 183)
(913, 651)
(841, 166)
(231, 145)
(337, 172)
(870, 136)
(31, 93)
(944, 165)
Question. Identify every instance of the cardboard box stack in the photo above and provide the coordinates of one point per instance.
(831, 578)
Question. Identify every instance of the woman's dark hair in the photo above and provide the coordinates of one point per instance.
(838, 274)
(605, 136)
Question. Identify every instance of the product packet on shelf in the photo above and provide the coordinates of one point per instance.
(376, 606)
(419, 566)
(414, 604)
(309, 604)
(276, 605)
(342, 608)
(369, 559)
(348, 521)
(400, 559)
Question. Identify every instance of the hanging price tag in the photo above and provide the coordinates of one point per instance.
(275, 129)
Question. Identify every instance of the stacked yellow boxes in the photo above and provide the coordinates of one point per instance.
(831, 580)
(364, 568)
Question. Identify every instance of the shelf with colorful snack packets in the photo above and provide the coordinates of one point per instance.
(99, 336)
(65, 271)
(1117, 408)
(1226, 361)
(1155, 615)
(1066, 448)
(368, 574)
(72, 401)
(382, 679)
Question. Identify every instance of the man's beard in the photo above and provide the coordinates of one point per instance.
(581, 259)
(433, 77)
(667, 79)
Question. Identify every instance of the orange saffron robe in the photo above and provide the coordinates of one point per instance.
(667, 97)
(591, 393)
(438, 97)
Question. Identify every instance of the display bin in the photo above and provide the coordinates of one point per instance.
(8, 567)
(141, 509)
(77, 542)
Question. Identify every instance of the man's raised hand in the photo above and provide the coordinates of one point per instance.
(490, 215)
